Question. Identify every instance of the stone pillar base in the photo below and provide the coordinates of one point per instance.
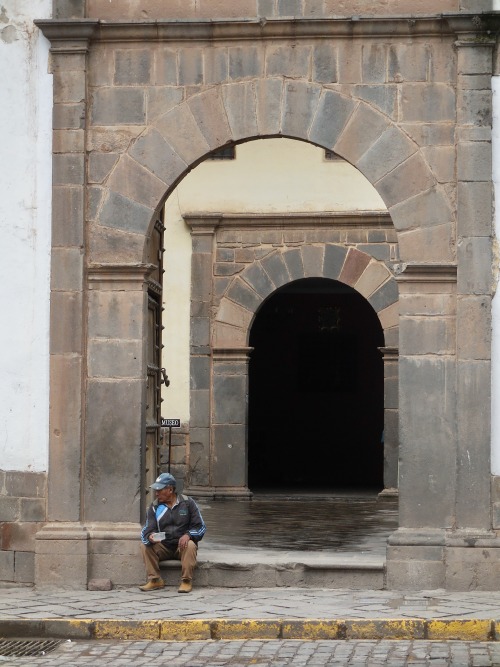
(115, 553)
(415, 560)
(458, 560)
(472, 560)
(389, 493)
(62, 556)
(214, 492)
(69, 555)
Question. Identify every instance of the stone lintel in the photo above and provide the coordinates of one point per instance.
(232, 354)
(252, 221)
(119, 276)
(58, 30)
(427, 273)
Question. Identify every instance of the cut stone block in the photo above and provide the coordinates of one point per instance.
(334, 110)
(299, 108)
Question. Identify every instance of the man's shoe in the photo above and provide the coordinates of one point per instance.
(186, 586)
(152, 585)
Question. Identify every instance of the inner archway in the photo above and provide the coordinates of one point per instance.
(316, 390)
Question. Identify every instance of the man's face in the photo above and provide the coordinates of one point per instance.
(164, 495)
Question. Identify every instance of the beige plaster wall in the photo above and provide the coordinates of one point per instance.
(268, 176)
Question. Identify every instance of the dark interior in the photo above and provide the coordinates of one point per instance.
(316, 390)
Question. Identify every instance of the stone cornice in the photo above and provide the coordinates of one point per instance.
(208, 222)
(57, 30)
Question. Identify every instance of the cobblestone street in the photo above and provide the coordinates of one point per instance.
(264, 653)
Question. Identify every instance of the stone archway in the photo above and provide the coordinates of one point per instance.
(138, 105)
(221, 457)
(134, 185)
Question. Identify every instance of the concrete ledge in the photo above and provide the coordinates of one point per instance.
(478, 630)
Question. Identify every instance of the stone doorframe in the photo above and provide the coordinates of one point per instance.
(245, 259)
(136, 105)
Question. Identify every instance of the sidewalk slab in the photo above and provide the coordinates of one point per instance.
(250, 613)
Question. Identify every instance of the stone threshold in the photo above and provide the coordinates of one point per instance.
(235, 568)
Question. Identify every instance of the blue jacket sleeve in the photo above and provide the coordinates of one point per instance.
(197, 526)
(149, 526)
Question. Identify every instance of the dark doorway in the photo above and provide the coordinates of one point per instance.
(316, 390)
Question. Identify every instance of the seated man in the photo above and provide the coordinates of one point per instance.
(174, 527)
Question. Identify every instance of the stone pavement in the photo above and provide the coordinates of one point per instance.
(278, 653)
(250, 613)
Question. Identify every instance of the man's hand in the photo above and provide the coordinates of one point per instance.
(183, 542)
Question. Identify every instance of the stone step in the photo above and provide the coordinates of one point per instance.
(237, 567)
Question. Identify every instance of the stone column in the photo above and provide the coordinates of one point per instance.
(61, 547)
(199, 476)
(217, 463)
(427, 432)
(467, 565)
(391, 420)
(230, 422)
(474, 281)
(116, 392)
(115, 420)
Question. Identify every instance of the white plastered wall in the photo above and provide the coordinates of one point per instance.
(495, 314)
(268, 176)
(25, 214)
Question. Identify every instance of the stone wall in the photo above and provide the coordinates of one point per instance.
(407, 102)
(179, 451)
(22, 514)
(210, 9)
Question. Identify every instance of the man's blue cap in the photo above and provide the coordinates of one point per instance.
(165, 479)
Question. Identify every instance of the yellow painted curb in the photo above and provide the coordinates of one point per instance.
(205, 629)
(112, 629)
(313, 629)
(185, 631)
(463, 629)
(248, 629)
(413, 628)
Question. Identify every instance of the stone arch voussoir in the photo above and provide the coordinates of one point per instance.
(231, 112)
(248, 290)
